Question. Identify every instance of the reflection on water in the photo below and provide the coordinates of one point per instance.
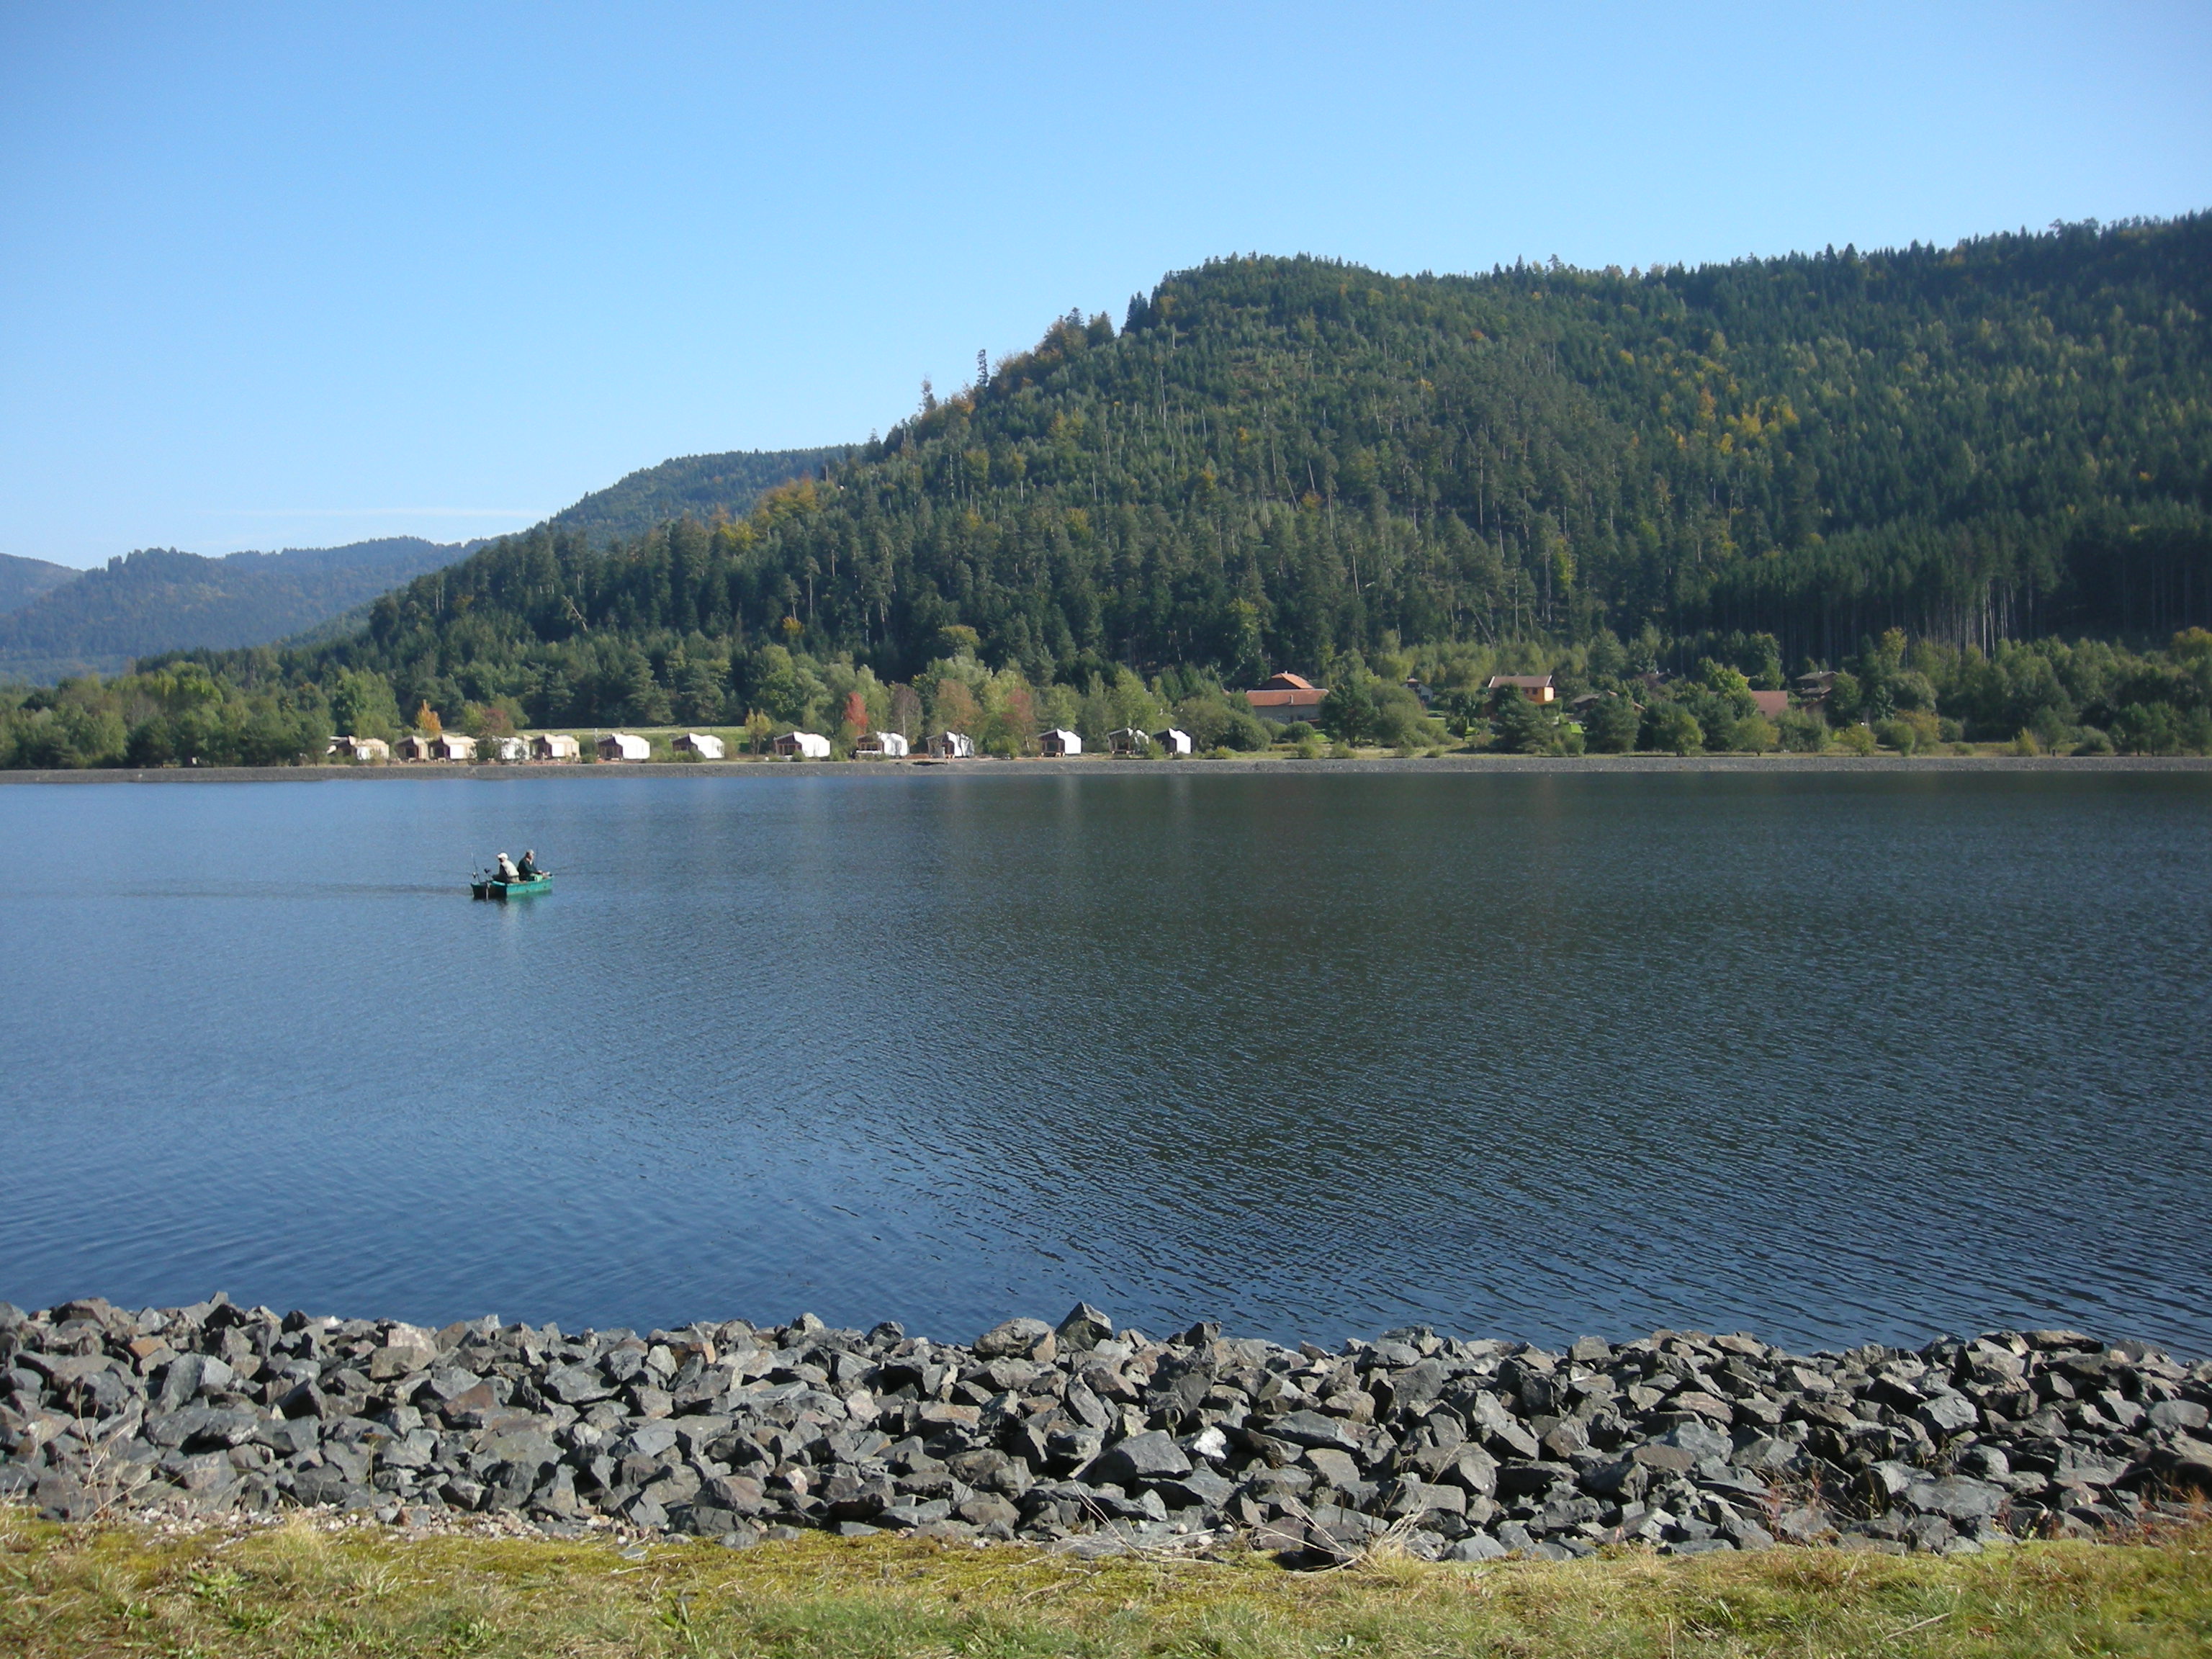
(1827, 1057)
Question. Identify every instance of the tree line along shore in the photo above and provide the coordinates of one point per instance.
(1898, 696)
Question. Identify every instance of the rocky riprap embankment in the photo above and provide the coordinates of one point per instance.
(1462, 1451)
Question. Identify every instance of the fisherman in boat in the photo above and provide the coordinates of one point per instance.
(528, 868)
(507, 871)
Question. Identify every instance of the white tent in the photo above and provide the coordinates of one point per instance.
(704, 744)
(508, 748)
(881, 743)
(802, 745)
(953, 745)
(1057, 741)
(624, 746)
(453, 746)
(1127, 740)
(1174, 741)
(554, 746)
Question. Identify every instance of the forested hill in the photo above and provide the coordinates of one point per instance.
(22, 580)
(702, 487)
(1277, 462)
(158, 599)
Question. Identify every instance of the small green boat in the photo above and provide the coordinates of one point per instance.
(491, 887)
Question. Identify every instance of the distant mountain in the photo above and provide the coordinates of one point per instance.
(159, 599)
(697, 486)
(22, 580)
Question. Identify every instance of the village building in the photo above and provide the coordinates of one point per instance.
(1285, 698)
(1815, 688)
(624, 746)
(1537, 688)
(1772, 704)
(1057, 741)
(1174, 740)
(802, 745)
(556, 746)
(704, 744)
(452, 746)
(952, 745)
(881, 745)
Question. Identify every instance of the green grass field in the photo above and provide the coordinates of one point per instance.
(296, 1590)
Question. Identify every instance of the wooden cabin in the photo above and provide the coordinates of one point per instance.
(415, 747)
(1285, 698)
(802, 745)
(882, 745)
(624, 746)
(1174, 740)
(704, 744)
(1058, 742)
(952, 745)
(556, 746)
(452, 746)
(1537, 688)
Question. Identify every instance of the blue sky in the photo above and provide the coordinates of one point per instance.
(277, 275)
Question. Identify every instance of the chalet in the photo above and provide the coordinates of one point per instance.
(952, 745)
(1772, 704)
(556, 746)
(624, 746)
(1057, 741)
(882, 745)
(1175, 741)
(452, 746)
(1284, 698)
(415, 747)
(802, 745)
(1537, 688)
(704, 744)
(1815, 688)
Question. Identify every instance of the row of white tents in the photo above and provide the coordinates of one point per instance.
(791, 746)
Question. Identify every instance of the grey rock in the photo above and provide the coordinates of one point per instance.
(1957, 1497)
(2178, 1416)
(1018, 1338)
(1311, 1428)
(1151, 1455)
(1948, 1414)
(1475, 1547)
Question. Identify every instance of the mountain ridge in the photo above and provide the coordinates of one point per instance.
(706, 487)
(157, 599)
(1281, 462)
(22, 580)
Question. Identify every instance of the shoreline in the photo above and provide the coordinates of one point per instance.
(1102, 1440)
(1769, 765)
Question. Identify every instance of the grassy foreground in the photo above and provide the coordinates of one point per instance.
(294, 1590)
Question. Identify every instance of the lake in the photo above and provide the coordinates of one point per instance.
(1828, 1058)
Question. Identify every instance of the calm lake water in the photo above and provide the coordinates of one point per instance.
(1828, 1058)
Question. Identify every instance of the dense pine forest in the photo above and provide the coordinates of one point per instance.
(1976, 479)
